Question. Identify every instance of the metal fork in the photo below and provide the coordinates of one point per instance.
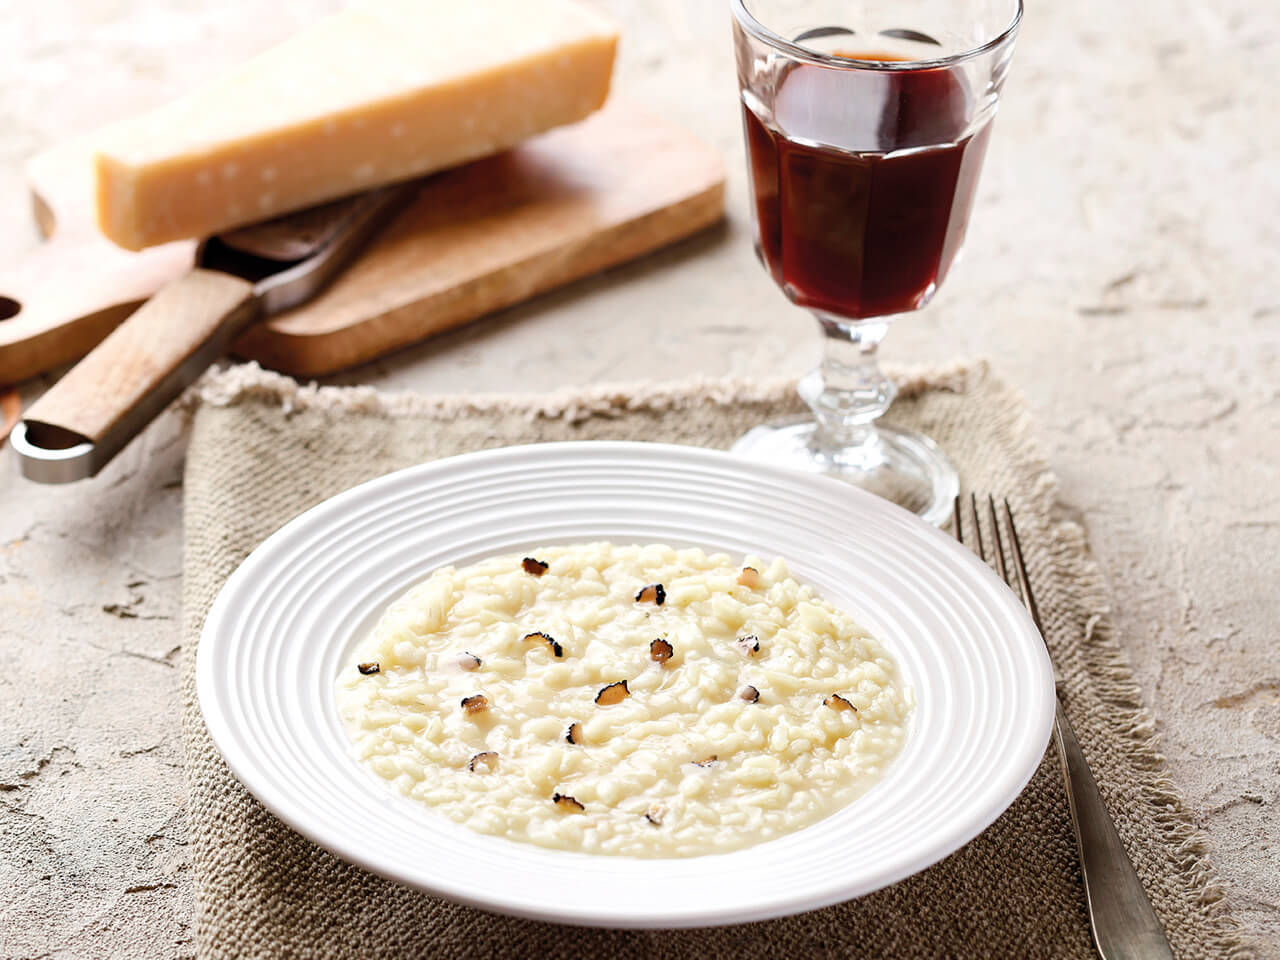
(1124, 925)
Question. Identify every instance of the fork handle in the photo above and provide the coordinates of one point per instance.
(1125, 927)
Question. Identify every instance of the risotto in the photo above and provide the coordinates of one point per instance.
(632, 700)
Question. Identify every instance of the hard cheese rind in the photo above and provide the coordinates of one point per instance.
(384, 91)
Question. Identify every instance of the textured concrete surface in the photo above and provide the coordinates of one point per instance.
(1122, 268)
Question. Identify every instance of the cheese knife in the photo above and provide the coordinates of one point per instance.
(239, 277)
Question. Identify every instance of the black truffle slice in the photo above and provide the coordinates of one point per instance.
(567, 803)
(653, 593)
(613, 693)
(556, 650)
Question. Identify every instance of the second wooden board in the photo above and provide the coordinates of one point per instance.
(482, 237)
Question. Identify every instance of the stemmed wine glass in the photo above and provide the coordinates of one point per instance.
(866, 125)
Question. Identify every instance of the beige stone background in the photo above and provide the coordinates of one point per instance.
(1122, 269)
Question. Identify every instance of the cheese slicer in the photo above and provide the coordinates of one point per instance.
(239, 277)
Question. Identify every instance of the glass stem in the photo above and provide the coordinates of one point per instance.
(848, 392)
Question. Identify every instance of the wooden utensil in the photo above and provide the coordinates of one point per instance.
(72, 431)
(564, 205)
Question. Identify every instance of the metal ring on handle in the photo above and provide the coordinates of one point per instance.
(47, 465)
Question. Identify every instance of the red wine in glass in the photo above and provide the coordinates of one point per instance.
(863, 183)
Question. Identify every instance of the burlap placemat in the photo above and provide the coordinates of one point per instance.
(264, 449)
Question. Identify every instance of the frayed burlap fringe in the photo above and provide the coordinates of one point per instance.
(1127, 711)
(236, 384)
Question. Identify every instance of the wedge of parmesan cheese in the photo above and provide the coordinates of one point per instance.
(383, 91)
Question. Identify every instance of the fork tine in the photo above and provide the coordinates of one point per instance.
(1020, 568)
(999, 540)
(977, 526)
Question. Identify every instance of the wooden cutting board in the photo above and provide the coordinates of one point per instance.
(77, 286)
(572, 202)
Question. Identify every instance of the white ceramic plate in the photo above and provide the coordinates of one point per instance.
(286, 619)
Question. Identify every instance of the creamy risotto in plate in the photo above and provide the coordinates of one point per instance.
(633, 700)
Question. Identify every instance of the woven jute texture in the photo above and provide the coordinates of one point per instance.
(264, 449)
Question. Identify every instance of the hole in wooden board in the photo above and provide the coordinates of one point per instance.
(9, 307)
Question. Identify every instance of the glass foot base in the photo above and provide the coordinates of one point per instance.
(904, 467)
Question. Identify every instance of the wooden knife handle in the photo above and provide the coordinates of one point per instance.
(107, 398)
(69, 293)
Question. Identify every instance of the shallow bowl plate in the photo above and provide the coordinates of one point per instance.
(288, 617)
